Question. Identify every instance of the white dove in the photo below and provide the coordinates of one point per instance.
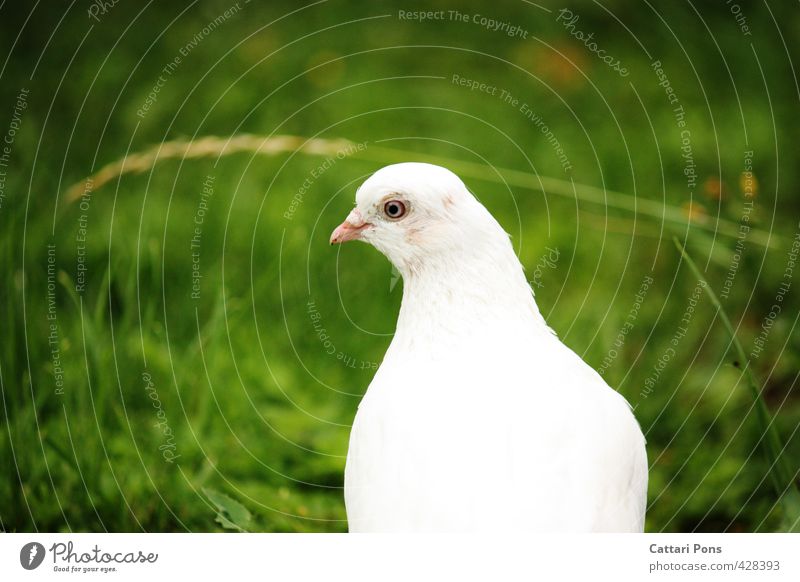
(478, 418)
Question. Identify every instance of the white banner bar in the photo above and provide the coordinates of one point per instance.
(331, 557)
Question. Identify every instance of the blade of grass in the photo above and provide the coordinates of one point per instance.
(781, 475)
(208, 146)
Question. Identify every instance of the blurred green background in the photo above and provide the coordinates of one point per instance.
(135, 401)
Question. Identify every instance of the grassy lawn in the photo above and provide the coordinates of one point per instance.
(183, 350)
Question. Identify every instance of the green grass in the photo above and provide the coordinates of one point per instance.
(227, 411)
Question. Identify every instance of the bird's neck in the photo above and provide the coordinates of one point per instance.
(466, 298)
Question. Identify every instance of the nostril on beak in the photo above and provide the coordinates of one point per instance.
(347, 231)
(350, 229)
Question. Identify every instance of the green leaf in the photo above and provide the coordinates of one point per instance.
(230, 513)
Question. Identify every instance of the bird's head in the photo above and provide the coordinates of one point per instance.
(419, 214)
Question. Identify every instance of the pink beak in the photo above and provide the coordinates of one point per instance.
(350, 229)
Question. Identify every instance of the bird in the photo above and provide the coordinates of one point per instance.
(478, 419)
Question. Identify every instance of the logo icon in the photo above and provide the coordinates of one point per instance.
(31, 555)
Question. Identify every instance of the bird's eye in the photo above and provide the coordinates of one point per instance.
(394, 209)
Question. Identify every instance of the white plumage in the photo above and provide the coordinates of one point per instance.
(479, 418)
